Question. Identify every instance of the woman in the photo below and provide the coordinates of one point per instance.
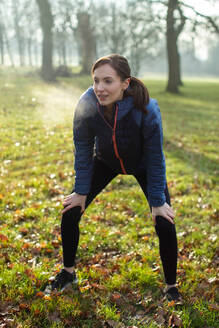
(117, 116)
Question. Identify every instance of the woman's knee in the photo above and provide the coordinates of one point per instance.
(73, 214)
(163, 225)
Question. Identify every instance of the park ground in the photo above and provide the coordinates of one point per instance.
(118, 264)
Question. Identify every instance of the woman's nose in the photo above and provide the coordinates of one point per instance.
(100, 87)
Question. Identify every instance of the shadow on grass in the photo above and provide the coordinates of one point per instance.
(199, 161)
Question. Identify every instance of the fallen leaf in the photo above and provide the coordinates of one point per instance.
(24, 231)
(213, 280)
(112, 323)
(3, 237)
(159, 319)
(37, 312)
(47, 297)
(97, 286)
(24, 306)
(213, 307)
(175, 321)
(172, 303)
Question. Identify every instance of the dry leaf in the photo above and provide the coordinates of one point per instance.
(159, 319)
(175, 321)
(213, 307)
(24, 306)
(3, 237)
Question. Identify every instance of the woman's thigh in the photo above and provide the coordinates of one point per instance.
(102, 175)
(141, 177)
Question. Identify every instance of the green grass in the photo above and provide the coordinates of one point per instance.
(119, 269)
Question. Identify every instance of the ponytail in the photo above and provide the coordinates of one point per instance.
(139, 92)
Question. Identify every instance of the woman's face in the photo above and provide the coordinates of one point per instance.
(108, 86)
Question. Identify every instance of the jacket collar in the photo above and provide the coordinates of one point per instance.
(124, 106)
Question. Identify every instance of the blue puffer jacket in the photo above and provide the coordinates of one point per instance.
(135, 141)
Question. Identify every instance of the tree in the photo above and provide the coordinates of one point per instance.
(5, 41)
(175, 23)
(142, 33)
(2, 43)
(87, 42)
(46, 21)
(173, 31)
(18, 14)
(129, 29)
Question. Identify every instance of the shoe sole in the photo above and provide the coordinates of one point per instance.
(47, 291)
(176, 302)
(70, 285)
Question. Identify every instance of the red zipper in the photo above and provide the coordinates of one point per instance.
(115, 145)
(114, 137)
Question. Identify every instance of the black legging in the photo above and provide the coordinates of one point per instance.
(165, 230)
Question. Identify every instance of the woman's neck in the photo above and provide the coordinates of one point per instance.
(110, 107)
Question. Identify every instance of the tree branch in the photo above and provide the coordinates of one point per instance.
(208, 18)
(183, 20)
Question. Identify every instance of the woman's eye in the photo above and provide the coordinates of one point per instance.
(108, 81)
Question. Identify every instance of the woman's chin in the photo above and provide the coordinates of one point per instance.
(104, 103)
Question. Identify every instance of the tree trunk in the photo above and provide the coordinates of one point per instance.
(2, 44)
(172, 34)
(19, 37)
(87, 42)
(46, 21)
(172, 50)
(8, 47)
(29, 50)
(35, 53)
(64, 52)
(179, 80)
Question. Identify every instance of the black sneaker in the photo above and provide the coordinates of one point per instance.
(172, 294)
(62, 280)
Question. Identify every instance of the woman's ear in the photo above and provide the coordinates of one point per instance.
(126, 83)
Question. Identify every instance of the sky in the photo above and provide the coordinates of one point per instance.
(206, 7)
(209, 8)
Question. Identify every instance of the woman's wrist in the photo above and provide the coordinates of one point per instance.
(80, 195)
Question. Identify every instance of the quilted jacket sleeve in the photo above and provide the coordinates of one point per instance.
(84, 147)
(153, 155)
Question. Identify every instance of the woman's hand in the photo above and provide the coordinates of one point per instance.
(165, 210)
(73, 200)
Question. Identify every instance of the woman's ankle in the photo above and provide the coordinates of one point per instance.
(69, 269)
(169, 286)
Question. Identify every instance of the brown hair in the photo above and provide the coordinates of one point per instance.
(121, 66)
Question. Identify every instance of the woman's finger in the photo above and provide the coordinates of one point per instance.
(66, 203)
(170, 213)
(69, 196)
(67, 208)
(169, 219)
(67, 199)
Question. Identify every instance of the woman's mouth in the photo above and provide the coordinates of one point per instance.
(102, 97)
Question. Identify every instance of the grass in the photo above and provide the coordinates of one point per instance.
(119, 269)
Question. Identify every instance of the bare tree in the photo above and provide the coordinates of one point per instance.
(143, 33)
(31, 24)
(18, 14)
(46, 21)
(86, 40)
(2, 43)
(173, 31)
(175, 23)
(5, 41)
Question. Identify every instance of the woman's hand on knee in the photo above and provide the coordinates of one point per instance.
(165, 210)
(73, 200)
